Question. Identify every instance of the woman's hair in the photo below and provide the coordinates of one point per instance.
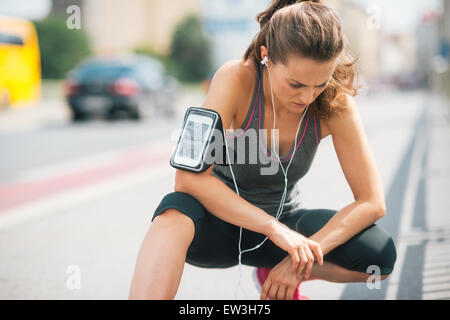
(311, 30)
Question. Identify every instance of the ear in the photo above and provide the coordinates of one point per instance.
(264, 52)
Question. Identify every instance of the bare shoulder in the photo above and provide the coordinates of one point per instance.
(230, 87)
(343, 119)
(240, 74)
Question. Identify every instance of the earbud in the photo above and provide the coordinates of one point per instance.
(265, 60)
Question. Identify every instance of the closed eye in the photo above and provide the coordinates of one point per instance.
(300, 85)
(297, 86)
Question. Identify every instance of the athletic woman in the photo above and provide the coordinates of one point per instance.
(298, 75)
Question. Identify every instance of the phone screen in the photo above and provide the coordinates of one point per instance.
(193, 140)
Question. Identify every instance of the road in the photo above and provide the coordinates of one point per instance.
(76, 201)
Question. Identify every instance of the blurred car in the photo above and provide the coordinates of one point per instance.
(129, 86)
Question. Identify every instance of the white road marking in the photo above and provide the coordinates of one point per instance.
(84, 163)
(60, 202)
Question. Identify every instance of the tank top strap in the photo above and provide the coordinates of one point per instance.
(251, 120)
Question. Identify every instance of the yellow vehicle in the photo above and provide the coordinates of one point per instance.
(20, 66)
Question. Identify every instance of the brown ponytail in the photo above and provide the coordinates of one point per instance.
(263, 19)
(312, 30)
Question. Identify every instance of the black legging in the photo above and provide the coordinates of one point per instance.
(215, 243)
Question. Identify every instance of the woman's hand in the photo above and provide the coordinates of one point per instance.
(281, 282)
(302, 250)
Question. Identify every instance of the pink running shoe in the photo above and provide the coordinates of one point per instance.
(261, 274)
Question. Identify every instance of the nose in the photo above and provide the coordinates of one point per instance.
(307, 96)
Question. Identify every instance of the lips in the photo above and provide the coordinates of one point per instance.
(298, 105)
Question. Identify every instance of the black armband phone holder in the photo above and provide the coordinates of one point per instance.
(201, 142)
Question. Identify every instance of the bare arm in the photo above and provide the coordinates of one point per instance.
(360, 170)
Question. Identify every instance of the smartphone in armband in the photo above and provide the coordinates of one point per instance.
(201, 142)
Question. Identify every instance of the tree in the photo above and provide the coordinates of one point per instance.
(191, 50)
(61, 48)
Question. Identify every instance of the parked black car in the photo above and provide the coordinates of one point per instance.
(133, 86)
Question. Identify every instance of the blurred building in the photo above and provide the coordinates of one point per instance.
(363, 34)
(230, 26)
(427, 35)
(444, 36)
(399, 58)
(116, 26)
(444, 29)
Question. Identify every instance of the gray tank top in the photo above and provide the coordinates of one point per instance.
(259, 178)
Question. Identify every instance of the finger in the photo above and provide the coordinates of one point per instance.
(273, 291)
(281, 294)
(290, 293)
(317, 251)
(295, 259)
(310, 263)
(265, 289)
(303, 261)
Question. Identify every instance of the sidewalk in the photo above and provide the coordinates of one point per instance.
(50, 109)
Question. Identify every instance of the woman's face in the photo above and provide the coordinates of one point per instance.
(298, 84)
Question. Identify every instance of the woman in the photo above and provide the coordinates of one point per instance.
(309, 76)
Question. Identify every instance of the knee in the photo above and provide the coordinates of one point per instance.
(179, 209)
(373, 252)
(389, 258)
(174, 218)
(172, 226)
(385, 259)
